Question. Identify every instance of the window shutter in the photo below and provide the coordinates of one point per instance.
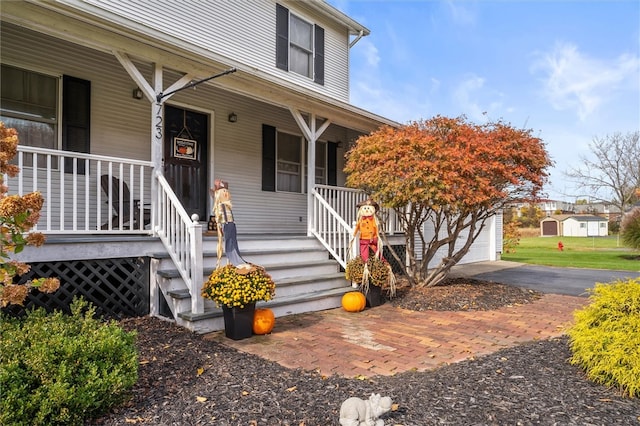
(282, 37)
(76, 118)
(268, 158)
(318, 60)
(332, 164)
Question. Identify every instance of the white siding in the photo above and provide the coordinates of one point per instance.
(575, 228)
(242, 31)
(571, 228)
(120, 125)
(483, 249)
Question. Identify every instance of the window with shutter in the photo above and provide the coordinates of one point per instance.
(268, 158)
(76, 117)
(29, 103)
(284, 161)
(299, 45)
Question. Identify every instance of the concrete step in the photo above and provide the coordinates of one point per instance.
(277, 271)
(306, 279)
(265, 242)
(263, 257)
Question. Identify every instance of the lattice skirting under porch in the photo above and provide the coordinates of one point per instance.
(118, 288)
(401, 251)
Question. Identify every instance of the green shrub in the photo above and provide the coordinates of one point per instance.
(58, 369)
(606, 336)
(630, 228)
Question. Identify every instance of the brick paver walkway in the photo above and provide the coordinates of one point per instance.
(386, 340)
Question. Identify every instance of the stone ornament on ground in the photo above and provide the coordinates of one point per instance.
(357, 412)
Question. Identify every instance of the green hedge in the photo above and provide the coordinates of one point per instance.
(605, 338)
(58, 369)
(630, 228)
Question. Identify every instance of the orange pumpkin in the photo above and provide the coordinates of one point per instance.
(353, 301)
(263, 321)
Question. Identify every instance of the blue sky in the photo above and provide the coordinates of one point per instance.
(568, 70)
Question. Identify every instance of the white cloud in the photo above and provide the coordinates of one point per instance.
(461, 15)
(370, 53)
(477, 102)
(401, 107)
(465, 97)
(575, 81)
(435, 86)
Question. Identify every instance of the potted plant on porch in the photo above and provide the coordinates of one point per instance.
(373, 277)
(236, 290)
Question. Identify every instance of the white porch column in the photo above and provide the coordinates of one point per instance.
(151, 92)
(311, 134)
(157, 121)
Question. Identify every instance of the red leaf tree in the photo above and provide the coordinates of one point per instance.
(451, 173)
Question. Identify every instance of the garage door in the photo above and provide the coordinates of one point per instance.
(550, 227)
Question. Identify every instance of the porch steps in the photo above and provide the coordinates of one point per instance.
(306, 279)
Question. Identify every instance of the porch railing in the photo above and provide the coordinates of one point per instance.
(182, 237)
(95, 194)
(85, 193)
(334, 216)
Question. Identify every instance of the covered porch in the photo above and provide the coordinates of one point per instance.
(112, 209)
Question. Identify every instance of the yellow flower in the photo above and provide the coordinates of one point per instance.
(229, 286)
(355, 269)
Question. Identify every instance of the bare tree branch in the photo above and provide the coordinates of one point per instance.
(614, 176)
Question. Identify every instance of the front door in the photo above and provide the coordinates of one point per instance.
(186, 136)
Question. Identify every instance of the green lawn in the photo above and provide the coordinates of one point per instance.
(578, 252)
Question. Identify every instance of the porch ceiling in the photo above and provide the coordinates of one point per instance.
(95, 29)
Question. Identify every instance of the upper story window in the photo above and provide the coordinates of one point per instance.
(299, 45)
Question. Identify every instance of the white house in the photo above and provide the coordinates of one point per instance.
(574, 226)
(128, 111)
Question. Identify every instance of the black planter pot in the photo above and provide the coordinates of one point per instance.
(238, 322)
(374, 296)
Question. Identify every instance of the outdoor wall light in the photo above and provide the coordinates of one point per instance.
(137, 93)
(233, 117)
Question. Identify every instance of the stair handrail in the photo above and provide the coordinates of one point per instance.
(182, 237)
(334, 215)
(333, 232)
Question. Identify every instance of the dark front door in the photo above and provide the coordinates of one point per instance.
(186, 135)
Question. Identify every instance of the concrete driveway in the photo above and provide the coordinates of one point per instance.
(546, 279)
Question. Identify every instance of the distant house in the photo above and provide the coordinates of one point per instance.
(548, 207)
(611, 212)
(567, 225)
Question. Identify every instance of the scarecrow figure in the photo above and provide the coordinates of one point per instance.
(367, 226)
(223, 212)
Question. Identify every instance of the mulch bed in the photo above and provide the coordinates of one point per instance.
(463, 294)
(187, 380)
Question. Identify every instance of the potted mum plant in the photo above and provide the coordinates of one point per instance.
(236, 290)
(372, 277)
